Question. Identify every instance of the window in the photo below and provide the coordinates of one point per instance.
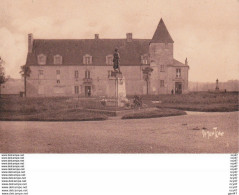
(41, 59)
(57, 59)
(161, 83)
(153, 48)
(162, 68)
(76, 89)
(109, 73)
(178, 73)
(144, 59)
(58, 81)
(109, 60)
(76, 74)
(87, 59)
(58, 75)
(87, 74)
(40, 72)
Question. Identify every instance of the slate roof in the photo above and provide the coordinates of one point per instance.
(177, 63)
(73, 50)
(161, 34)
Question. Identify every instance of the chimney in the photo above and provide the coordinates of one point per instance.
(129, 37)
(30, 42)
(96, 36)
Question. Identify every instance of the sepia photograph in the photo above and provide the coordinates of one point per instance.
(139, 76)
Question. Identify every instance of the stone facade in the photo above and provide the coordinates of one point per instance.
(82, 67)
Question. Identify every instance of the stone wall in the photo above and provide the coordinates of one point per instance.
(101, 85)
(46, 84)
(161, 53)
(172, 78)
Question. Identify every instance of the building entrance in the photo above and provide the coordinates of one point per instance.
(178, 88)
(87, 91)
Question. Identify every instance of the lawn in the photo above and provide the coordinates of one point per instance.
(74, 109)
(45, 109)
(161, 112)
(196, 101)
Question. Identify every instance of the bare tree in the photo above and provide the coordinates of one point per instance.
(146, 74)
(3, 78)
(25, 72)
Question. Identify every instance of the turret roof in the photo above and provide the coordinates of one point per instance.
(161, 34)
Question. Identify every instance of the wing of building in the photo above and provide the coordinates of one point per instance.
(82, 67)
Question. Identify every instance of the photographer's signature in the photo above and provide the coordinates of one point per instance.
(215, 133)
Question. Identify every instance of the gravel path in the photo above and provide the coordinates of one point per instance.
(178, 134)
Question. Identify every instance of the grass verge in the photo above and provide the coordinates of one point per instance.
(14, 108)
(50, 116)
(196, 101)
(203, 108)
(162, 112)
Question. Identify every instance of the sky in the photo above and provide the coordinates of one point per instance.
(204, 31)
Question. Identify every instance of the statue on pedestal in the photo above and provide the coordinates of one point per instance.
(217, 86)
(116, 61)
(186, 61)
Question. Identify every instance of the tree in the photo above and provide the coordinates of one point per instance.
(146, 74)
(25, 72)
(3, 78)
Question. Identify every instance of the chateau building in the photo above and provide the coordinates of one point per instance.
(82, 67)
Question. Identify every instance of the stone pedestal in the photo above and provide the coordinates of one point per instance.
(120, 89)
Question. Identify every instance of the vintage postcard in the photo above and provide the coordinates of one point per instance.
(139, 76)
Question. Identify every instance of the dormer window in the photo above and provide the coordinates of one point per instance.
(109, 59)
(41, 59)
(87, 59)
(57, 59)
(144, 59)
